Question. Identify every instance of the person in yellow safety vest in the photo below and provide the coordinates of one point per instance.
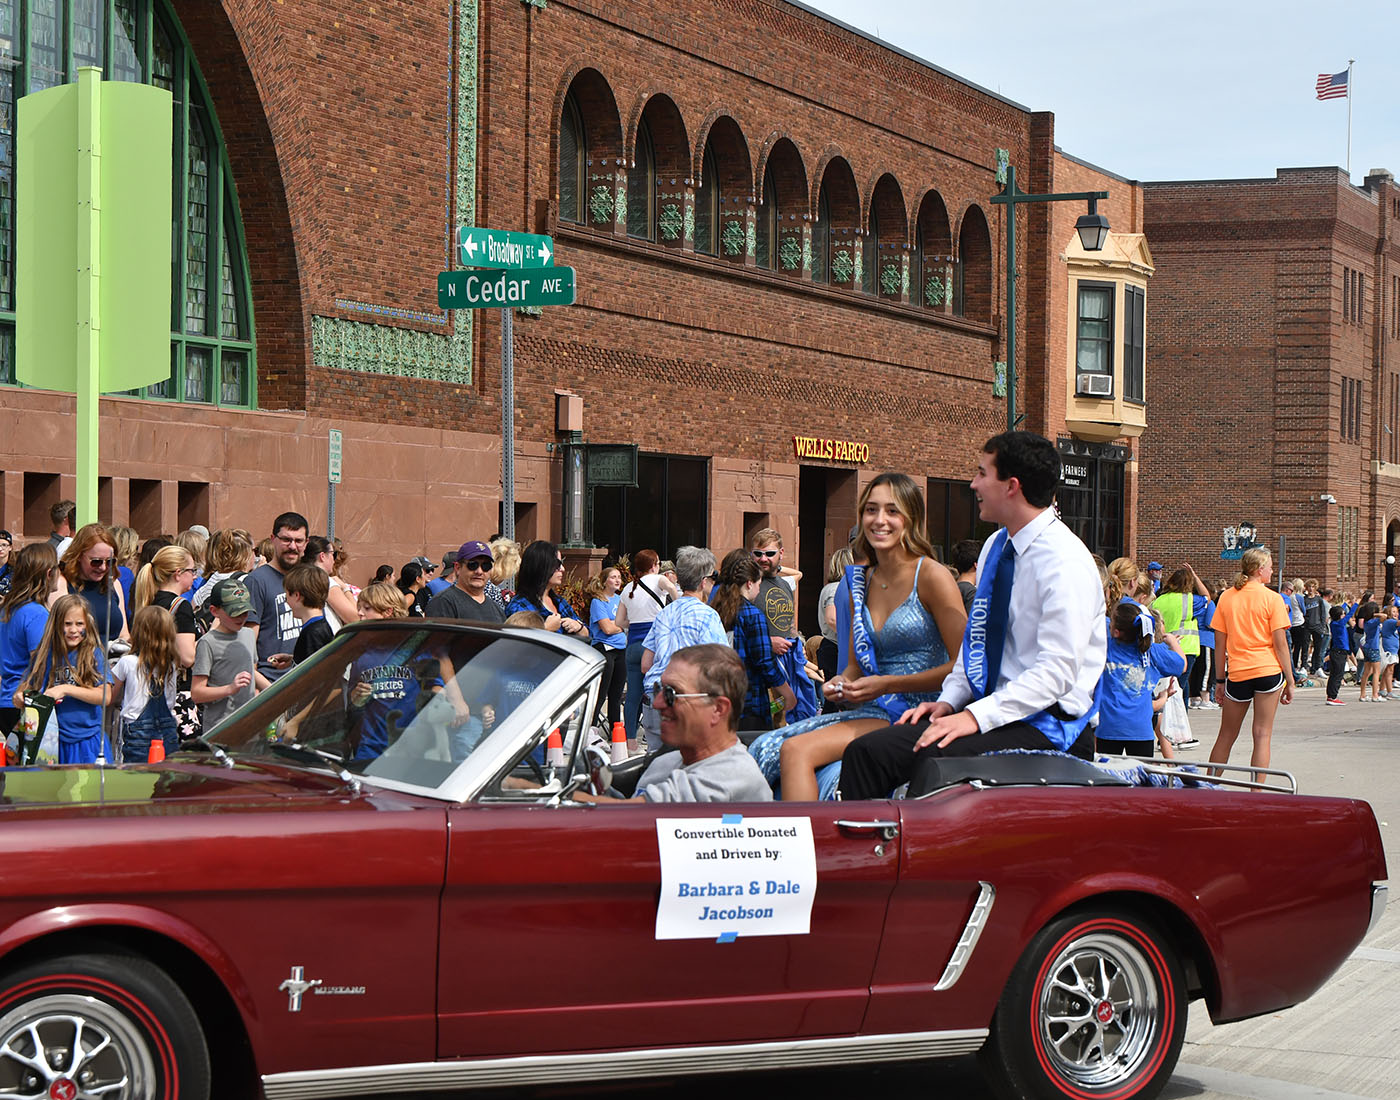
(1183, 603)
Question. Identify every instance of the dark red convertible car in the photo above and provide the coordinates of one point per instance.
(372, 880)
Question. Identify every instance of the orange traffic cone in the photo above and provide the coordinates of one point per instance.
(619, 743)
(156, 753)
(554, 749)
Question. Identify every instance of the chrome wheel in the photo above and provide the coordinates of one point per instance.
(1099, 1011)
(72, 1047)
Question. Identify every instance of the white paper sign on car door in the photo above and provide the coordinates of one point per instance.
(728, 876)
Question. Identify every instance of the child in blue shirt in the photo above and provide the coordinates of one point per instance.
(1133, 666)
(1390, 649)
(1373, 657)
(70, 669)
(1337, 654)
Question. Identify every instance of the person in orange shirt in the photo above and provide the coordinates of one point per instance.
(1255, 664)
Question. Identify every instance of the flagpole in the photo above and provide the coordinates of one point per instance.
(1350, 63)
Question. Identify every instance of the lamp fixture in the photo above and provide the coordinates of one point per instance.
(1092, 228)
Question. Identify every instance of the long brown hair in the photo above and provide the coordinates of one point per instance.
(32, 581)
(737, 572)
(910, 503)
(88, 536)
(168, 561)
(52, 653)
(642, 563)
(153, 644)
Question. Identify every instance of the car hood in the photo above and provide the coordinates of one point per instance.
(196, 781)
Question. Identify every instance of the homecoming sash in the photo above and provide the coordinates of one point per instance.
(863, 646)
(984, 639)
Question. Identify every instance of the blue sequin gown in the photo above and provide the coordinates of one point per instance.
(909, 642)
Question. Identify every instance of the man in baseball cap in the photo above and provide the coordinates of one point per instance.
(467, 598)
(1154, 570)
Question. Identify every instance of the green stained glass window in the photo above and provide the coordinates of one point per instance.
(87, 28)
(197, 230)
(43, 43)
(126, 42)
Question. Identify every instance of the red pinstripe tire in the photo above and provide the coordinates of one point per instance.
(108, 1025)
(1095, 1010)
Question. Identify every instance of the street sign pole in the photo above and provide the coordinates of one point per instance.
(334, 446)
(507, 425)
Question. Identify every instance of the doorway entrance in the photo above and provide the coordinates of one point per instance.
(826, 511)
(1090, 497)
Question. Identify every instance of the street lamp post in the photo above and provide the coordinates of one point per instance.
(1093, 232)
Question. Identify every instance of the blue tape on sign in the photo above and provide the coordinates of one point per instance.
(727, 937)
(731, 819)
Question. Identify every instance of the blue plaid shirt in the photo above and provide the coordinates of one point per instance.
(684, 622)
(751, 643)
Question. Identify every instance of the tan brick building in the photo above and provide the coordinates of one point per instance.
(1275, 324)
(782, 231)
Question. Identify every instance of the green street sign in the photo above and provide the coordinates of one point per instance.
(553, 286)
(499, 248)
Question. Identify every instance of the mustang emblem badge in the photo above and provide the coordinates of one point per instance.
(296, 987)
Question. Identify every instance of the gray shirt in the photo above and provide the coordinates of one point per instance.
(453, 603)
(278, 628)
(221, 657)
(728, 776)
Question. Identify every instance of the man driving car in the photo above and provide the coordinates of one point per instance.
(698, 699)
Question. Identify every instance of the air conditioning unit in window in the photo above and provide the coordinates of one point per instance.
(1092, 384)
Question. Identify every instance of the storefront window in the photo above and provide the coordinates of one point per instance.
(1090, 497)
(668, 509)
(141, 41)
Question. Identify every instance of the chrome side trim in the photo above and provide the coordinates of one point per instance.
(976, 921)
(1380, 893)
(623, 1064)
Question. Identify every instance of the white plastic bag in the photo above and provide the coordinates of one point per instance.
(1175, 725)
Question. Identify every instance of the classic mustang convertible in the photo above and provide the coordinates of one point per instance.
(372, 879)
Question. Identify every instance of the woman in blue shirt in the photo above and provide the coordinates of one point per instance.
(609, 639)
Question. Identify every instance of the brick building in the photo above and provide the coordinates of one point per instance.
(1276, 367)
(781, 228)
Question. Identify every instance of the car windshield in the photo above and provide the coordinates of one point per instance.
(397, 702)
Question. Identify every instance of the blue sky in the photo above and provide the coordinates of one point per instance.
(1198, 90)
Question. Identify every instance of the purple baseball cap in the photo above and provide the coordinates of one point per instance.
(471, 550)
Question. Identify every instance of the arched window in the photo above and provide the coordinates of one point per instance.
(769, 219)
(43, 43)
(707, 205)
(573, 163)
(641, 186)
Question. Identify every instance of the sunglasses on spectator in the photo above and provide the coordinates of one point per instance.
(99, 563)
(477, 565)
(669, 695)
(766, 553)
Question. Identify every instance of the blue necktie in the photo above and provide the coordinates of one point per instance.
(998, 612)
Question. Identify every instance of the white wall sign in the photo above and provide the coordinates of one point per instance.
(728, 876)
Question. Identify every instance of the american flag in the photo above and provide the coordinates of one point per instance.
(1331, 85)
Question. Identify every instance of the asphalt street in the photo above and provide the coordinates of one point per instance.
(1342, 1044)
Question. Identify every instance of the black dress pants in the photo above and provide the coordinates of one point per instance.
(875, 764)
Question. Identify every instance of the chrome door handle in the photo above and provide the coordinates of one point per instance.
(888, 830)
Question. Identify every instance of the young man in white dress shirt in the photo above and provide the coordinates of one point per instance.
(1054, 643)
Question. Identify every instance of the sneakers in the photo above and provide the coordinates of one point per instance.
(1209, 704)
(1189, 743)
(1336, 702)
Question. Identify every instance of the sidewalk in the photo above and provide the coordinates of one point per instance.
(1345, 1041)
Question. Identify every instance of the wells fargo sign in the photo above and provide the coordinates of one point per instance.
(837, 450)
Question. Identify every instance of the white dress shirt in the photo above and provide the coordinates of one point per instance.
(1056, 636)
